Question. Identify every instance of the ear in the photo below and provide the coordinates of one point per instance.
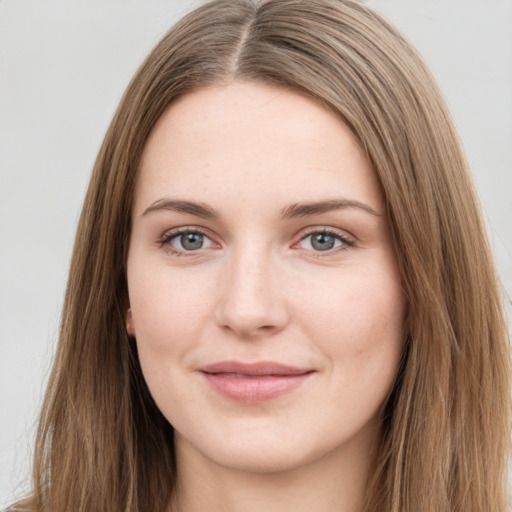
(130, 328)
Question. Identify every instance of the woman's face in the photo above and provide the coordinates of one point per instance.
(265, 296)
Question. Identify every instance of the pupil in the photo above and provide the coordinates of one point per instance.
(322, 242)
(192, 241)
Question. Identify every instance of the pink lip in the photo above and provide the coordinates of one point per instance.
(254, 382)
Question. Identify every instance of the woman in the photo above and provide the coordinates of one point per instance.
(281, 295)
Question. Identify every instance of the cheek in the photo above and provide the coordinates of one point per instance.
(167, 317)
(167, 321)
(360, 326)
(166, 307)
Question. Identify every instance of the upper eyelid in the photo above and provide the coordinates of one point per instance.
(164, 241)
(165, 238)
(347, 241)
(305, 231)
(186, 229)
(346, 237)
(343, 234)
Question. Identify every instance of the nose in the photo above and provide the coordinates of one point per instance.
(252, 300)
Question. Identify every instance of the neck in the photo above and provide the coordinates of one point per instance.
(335, 482)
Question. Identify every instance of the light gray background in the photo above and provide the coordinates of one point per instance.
(63, 67)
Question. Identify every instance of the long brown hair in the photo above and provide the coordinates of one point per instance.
(102, 443)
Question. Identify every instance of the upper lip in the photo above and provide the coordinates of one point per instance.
(253, 369)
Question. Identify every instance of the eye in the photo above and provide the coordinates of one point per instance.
(324, 241)
(185, 240)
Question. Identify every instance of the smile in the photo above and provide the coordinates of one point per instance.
(255, 382)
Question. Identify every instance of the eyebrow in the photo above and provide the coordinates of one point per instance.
(294, 210)
(197, 209)
(305, 209)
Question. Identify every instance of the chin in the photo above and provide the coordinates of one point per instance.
(261, 461)
(272, 453)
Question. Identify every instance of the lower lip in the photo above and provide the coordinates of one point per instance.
(254, 389)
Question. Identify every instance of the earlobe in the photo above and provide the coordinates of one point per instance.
(130, 329)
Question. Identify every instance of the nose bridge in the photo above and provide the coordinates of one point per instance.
(251, 299)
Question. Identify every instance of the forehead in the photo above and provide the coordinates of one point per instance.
(247, 138)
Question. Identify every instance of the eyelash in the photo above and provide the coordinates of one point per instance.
(165, 241)
(347, 243)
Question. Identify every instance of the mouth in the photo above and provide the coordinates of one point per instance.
(254, 382)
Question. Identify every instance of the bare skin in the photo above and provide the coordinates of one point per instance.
(259, 239)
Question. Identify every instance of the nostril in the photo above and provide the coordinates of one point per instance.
(250, 329)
